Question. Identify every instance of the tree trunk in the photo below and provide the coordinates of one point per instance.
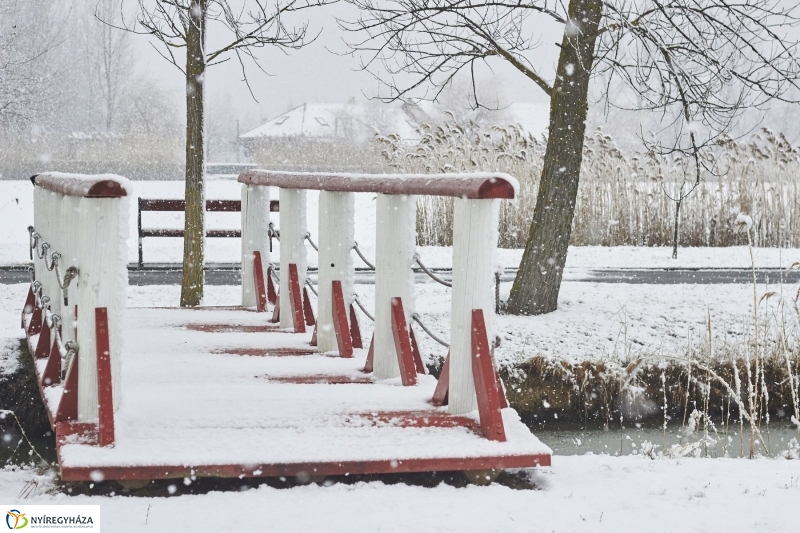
(677, 224)
(194, 239)
(536, 286)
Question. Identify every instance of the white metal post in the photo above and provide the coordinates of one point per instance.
(292, 246)
(394, 257)
(102, 283)
(55, 227)
(255, 225)
(336, 238)
(474, 244)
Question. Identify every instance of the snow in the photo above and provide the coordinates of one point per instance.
(579, 493)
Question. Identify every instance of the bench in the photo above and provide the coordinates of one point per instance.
(231, 206)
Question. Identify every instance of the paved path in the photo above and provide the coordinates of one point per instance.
(229, 275)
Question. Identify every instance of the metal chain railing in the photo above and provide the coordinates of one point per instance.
(310, 286)
(308, 238)
(273, 233)
(361, 306)
(66, 350)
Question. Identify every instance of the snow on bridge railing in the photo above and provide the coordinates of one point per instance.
(476, 206)
(81, 229)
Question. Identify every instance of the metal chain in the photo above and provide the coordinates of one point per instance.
(358, 251)
(54, 257)
(65, 350)
(30, 241)
(433, 276)
(415, 318)
(308, 238)
(310, 286)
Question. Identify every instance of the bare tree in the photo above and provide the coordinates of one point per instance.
(181, 26)
(696, 62)
(109, 52)
(29, 31)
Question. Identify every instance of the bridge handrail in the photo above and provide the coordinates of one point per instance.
(83, 185)
(476, 186)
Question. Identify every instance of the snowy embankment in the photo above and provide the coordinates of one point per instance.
(579, 493)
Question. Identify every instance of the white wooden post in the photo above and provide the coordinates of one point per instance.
(38, 216)
(55, 228)
(102, 283)
(336, 238)
(255, 225)
(394, 257)
(292, 246)
(70, 220)
(474, 244)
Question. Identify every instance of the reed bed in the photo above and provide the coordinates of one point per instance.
(624, 199)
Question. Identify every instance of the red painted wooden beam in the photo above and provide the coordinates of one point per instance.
(30, 304)
(35, 325)
(340, 326)
(485, 381)
(43, 344)
(52, 371)
(308, 312)
(355, 330)
(272, 295)
(369, 366)
(105, 393)
(68, 404)
(443, 385)
(258, 274)
(276, 311)
(296, 300)
(473, 186)
(418, 363)
(88, 186)
(402, 344)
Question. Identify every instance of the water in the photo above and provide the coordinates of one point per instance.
(654, 440)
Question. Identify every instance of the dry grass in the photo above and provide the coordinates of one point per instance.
(623, 198)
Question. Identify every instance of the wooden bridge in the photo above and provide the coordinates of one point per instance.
(274, 387)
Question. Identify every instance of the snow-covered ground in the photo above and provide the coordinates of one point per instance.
(16, 214)
(578, 493)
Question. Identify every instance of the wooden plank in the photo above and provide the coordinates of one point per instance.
(355, 329)
(105, 394)
(147, 204)
(402, 344)
(343, 340)
(83, 185)
(443, 385)
(173, 232)
(295, 300)
(334, 468)
(485, 381)
(68, 404)
(231, 206)
(258, 275)
(474, 186)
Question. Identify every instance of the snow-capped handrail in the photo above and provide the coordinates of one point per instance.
(79, 233)
(477, 185)
(83, 185)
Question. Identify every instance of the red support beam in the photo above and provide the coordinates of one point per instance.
(258, 274)
(272, 294)
(43, 344)
(68, 404)
(276, 311)
(368, 367)
(314, 337)
(105, 394)
(443, 385)
(35, 325)
(30, 304)
(418, 363)
(52, 371)
(308, 312)
(402, 344)
(485, 381)
(296, 300)
(340, 326)
(355, 330)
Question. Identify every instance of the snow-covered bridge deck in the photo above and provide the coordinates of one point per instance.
(193, 401)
